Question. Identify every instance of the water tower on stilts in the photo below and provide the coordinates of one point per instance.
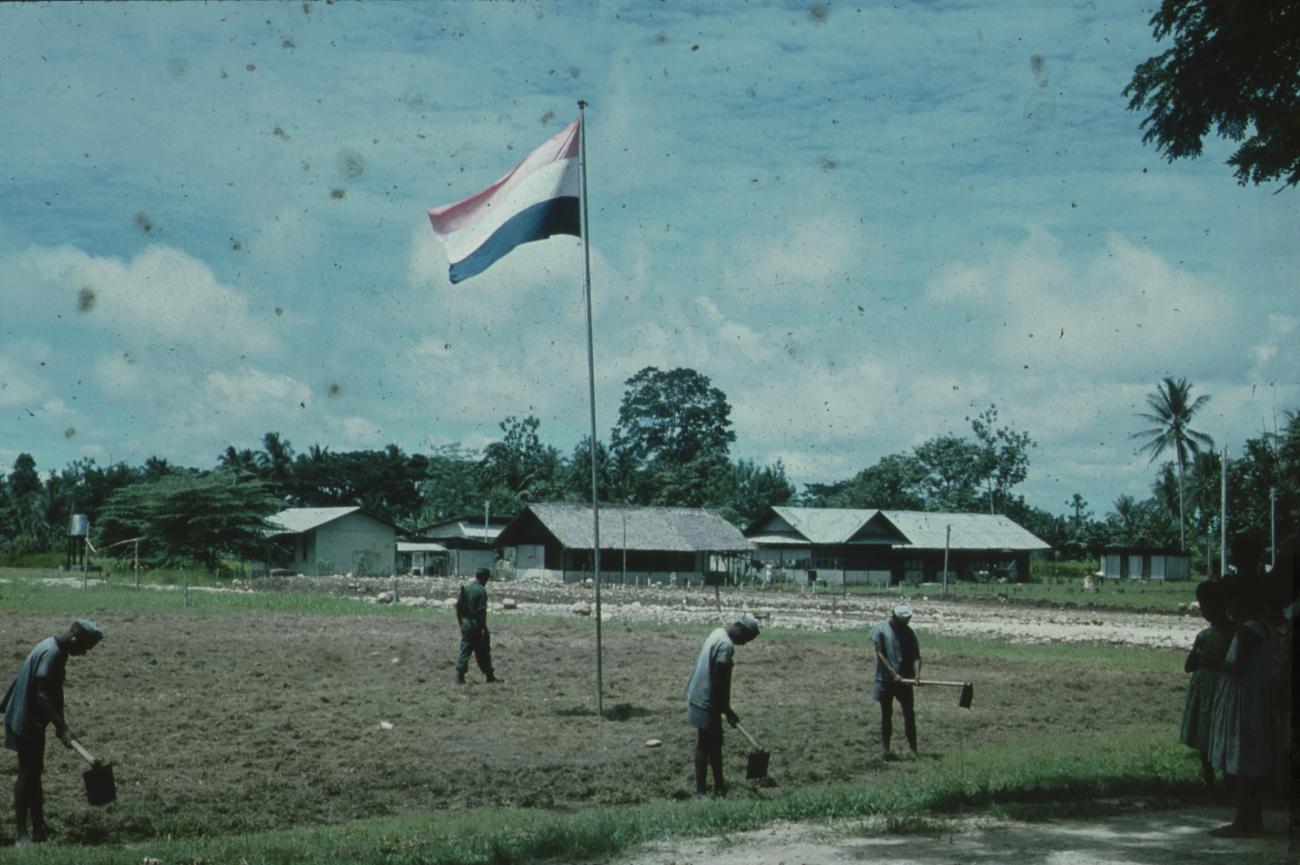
(78, 532)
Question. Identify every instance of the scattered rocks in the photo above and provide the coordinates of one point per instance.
(385, 725)
(509, 604)
(384, 598)
(582, 608)
(653, 743)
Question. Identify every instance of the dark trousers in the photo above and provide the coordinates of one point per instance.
(476, 642)
(29, 793)
(903, 693)
(708, 755)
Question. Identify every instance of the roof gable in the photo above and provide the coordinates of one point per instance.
(927, 530)
(825, 525)
(647, 528)
(296, 520)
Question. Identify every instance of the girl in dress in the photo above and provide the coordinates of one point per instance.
(1241, 735)
(1214, 641)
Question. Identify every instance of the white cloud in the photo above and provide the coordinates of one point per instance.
(17, 386)
(160, 295)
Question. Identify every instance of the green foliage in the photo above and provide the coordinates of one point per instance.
(674, 435)
(1172, 410)
(945, 473)
(1232, 67)
(191, 517)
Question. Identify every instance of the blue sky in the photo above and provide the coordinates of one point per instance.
(864, 222)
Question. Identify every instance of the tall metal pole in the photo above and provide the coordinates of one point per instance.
(1223, 512)
(591, 399)
(487, 515)
(947, 538)
(1272, 528)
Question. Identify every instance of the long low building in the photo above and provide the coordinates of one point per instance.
(637, 544)
(863, 546)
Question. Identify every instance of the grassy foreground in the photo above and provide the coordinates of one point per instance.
(1061, 747)
(1130, 762)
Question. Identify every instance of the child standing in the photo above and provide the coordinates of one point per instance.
(1240, 739)
(1213, 641)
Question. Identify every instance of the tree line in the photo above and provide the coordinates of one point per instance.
(671, 445)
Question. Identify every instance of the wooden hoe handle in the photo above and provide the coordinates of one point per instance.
(80, 749)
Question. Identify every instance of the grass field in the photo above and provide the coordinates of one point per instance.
(256, 727)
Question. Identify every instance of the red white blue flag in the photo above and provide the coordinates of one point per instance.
(537, 199)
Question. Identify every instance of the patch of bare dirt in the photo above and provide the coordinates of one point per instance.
(1138, 837)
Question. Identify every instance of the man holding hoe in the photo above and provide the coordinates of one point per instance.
(33, 701)
(708, 697)
(898, 658)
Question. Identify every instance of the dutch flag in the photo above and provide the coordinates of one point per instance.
(537, 199)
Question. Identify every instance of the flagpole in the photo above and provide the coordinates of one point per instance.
(591, 400)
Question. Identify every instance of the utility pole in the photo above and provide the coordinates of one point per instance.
(1223, 513)
(947, 539)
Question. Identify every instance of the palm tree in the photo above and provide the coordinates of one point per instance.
(1172, 409)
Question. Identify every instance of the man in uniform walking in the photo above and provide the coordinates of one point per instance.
(898, 658)
(34, 701)
(471, 613)
(708, 699)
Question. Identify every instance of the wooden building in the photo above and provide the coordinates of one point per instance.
(637, 544)
(468, 541)
(1144, 563)
(862, 546)
(335, 541)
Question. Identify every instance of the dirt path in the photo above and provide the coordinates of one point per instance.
(1138, 837)
(1007, 622)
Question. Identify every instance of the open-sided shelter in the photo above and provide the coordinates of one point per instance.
(637, 544)
(861, 546)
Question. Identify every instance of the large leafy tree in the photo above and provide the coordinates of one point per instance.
(674, 433)
(1233, 67)
(954, 473)
(1004, 458)
(1172, 410)
(192, 517)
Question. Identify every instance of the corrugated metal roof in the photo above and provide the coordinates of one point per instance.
(463, 528)
(969, 531)
(778, 540)
(658, 529)
(826, 525)
(419, 547)
(296, 520)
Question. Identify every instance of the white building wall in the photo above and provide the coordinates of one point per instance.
(355, 544)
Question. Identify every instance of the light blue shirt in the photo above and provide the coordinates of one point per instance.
(717, 653)
(46, 663)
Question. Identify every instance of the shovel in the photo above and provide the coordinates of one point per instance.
(967, 689)
(756, 767)
(100, 786)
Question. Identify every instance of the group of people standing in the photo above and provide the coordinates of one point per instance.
(1238, 696)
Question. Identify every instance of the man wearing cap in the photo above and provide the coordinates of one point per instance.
(708, 699)
(471, 613)
(33, 701)
(898, 658)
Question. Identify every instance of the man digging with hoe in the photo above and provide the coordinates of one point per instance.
(898, 658)
(708, 696)
(33, 701)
